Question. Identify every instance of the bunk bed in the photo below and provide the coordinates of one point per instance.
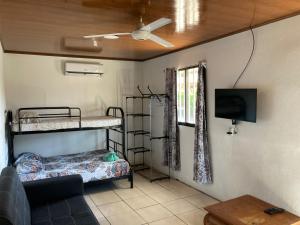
(90, 165)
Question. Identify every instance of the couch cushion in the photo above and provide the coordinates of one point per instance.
(8, 171)
(71, 211)
(14, 207)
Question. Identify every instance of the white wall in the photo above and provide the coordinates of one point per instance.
(3, 145)
(263, 159)
(39, 81)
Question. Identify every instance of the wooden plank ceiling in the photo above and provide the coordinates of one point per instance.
(39, 26)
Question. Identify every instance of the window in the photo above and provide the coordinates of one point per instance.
(186, 95)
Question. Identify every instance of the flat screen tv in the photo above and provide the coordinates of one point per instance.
(236, 104)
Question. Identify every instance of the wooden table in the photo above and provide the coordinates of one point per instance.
(246, 210)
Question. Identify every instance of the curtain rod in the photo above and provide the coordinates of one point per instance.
(202, 62)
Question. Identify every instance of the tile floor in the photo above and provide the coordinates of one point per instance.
(166, 202)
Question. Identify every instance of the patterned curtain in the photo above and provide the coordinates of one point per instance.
(202, 161)
(171, 145)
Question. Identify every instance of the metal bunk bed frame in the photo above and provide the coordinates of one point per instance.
(68, 112)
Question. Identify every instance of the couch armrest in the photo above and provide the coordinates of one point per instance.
(52, 189)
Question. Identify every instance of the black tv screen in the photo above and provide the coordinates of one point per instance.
(236, 104)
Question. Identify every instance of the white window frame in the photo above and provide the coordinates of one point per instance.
(185, 123)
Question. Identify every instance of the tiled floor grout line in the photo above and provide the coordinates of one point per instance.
(131, 207)
(123, 200)
(99, 209)
(194, 188)
(158, 203)
(201, 208)
(173, 213)
(181, 219)
(167, 187)
(103, 215)
(162, 205)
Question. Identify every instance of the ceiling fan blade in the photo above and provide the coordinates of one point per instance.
(103, 35)
(157, 24)
(160, 41)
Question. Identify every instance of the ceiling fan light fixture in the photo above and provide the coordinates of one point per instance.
(142, 33)
(111, 37)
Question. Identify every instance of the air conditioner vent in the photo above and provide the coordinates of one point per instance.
(83, 68)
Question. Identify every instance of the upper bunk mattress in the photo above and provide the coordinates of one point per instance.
(90, 165)
(68, 123)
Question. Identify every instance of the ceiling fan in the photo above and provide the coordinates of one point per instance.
(142, 33)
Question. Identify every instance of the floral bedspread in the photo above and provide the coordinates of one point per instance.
(89, 165)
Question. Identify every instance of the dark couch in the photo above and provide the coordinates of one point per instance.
(53, 201)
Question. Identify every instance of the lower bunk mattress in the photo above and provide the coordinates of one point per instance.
(90, 165)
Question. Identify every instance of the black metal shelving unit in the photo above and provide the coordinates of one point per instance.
(140, 149)
(137, 149)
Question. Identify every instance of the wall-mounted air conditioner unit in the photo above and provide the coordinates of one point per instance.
(83, 68)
